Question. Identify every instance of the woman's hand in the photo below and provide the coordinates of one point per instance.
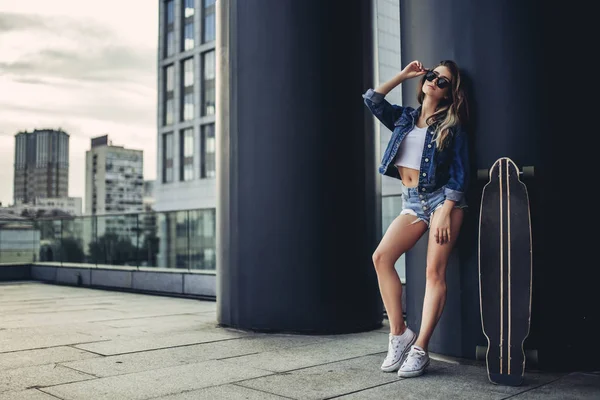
(441, 227)
(413, 70)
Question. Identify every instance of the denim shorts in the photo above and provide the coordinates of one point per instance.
(422, 205)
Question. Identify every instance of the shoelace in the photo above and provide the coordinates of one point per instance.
(414, 355)
(392, 346)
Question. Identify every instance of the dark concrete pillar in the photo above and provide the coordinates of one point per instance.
(523, 108)
(298, 214)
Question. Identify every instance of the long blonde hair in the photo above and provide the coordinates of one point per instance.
(452, 110)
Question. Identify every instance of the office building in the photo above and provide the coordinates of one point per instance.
(114, 185)
(114, 181)
(186, 106)
(41, 165)
(186, 173)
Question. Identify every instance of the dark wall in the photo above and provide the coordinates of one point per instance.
(523, 61)
(15, 273)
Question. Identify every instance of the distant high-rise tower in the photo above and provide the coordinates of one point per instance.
(41, 165)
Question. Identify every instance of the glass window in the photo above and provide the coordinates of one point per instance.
(170, 12)
(207, 167)
(202, 238)
(188, 8)
(170, 44)
(188, 36)
(209, 21)
(208, 85)
(169, 28)
(168, 157)
(169, 79)
(188, 72)
(172, 240)
(186, 156)
(182, 243)
(188, 24)
(169, 109)
(187, 92)
(188, 106)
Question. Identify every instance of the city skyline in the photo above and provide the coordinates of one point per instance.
(86, 68)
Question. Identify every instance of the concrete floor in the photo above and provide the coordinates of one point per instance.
(73, 343)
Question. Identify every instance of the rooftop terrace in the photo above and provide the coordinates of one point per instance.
(76, 343)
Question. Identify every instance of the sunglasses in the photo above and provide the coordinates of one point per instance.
(441, 81)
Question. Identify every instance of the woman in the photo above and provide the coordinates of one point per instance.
(428, 152)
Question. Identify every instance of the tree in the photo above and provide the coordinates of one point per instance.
(71, 250)
(149, 249)
(113, 250)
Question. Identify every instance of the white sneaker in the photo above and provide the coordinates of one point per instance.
(415, 364)
(397, 349)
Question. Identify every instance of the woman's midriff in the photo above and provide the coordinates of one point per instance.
(409, 176)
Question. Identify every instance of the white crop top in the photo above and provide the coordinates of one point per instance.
(411, 149)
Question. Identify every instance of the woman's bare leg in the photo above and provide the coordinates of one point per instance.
(401, 235)
(435, 287)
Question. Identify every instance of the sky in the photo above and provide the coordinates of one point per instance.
(88, 67)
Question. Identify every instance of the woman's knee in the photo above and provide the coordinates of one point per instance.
(381, 260)
(436, 274)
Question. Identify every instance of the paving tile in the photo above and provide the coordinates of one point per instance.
(574, 386)
(174, 356)
(156, 383)
(14, 380)
(461, 382)
(154, 342)
(224, 392)
(31, 394)
(328, 380)
(78, 343)
(52, 355)
(337, 348)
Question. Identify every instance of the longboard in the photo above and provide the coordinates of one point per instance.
(505, 271)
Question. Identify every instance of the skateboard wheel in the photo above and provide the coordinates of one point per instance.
(483, 174)
(527, 172)
(480, 352)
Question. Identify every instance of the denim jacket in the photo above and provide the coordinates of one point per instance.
(448, 167)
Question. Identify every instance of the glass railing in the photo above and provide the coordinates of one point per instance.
(174, 239)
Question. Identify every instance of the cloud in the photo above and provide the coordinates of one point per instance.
(73, 50)
(110, 64)
(106, 106)
(15, 22)
(31, 81)
(88, 68)
(76, 67)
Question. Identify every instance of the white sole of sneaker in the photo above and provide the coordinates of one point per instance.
(412, 374)
(395, 366)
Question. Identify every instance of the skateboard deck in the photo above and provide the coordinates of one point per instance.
(505, 272)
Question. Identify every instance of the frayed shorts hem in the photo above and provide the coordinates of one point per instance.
(426, 216)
